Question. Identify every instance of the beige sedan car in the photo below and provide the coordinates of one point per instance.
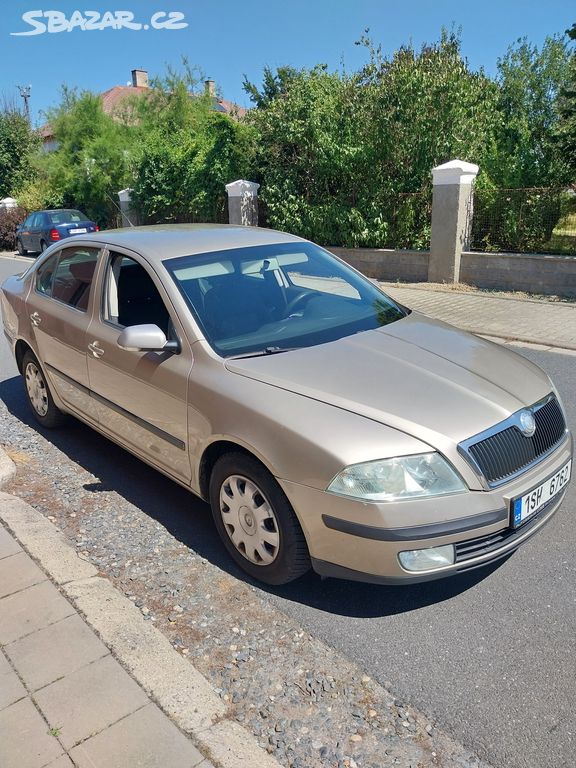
(326, 425)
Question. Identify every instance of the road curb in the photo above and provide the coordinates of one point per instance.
(184, 694)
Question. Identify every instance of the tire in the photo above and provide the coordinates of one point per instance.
(262, 535)
(38, 393)
(21, 250)
(43, 246)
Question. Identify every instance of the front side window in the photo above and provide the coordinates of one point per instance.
(274, 297)
(45, 274)
(67, 276)
(131, 297)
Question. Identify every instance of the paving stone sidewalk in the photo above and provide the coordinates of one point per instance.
(551, 324)
(64, 699)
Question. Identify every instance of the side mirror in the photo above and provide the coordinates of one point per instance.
(146, 338)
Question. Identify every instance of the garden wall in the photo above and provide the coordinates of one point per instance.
(534, 273)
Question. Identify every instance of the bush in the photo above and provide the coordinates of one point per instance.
(10, 218)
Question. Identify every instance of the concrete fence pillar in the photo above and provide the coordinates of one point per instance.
(452, 201)
(129, 214)
(243, 202)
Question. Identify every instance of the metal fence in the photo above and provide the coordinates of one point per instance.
(538, 220)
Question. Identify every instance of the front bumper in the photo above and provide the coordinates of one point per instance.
(359, 540)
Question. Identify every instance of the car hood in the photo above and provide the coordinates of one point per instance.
(418, 375)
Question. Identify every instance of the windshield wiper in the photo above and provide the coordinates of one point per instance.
(263, 352)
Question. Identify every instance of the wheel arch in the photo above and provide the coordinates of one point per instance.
(211, 455)
(20, 350)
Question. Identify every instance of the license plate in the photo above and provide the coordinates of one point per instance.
(79, 231)
(526, 506)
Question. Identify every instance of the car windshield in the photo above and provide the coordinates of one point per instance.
(272, 298)
(66, 217)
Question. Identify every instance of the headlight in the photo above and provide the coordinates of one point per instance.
(404, 477)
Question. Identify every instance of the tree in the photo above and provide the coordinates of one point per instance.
(347, 159)
(566, 127)
(426, 107)
(274, 84)
(530, 81)
(17, 144)
(91, 163)
(186, 152)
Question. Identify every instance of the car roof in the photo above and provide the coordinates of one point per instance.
(57, 210)
(159, 242)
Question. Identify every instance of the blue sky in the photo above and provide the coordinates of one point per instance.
(230, 38)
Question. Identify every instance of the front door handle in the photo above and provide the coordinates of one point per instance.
(35, 318)
(96, 349)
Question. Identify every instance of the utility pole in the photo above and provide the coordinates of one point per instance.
(25, 93)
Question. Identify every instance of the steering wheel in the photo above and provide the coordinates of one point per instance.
(300, 298)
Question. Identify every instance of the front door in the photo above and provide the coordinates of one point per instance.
(140, 396)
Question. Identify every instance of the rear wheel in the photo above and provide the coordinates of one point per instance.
(43, 246)
(21, 250)
(39, 395)
(256, 521)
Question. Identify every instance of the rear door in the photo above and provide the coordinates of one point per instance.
(141, 397)
(60, 304)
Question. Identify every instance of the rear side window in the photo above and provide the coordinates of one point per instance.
(67, 276)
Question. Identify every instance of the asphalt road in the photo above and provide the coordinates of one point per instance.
(491, 657)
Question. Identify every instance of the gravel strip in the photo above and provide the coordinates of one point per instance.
(305, 703)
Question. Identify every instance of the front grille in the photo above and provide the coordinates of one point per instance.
(507, 452)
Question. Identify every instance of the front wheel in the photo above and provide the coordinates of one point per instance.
(256, 521)
(39, 395)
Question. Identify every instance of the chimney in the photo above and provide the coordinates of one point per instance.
(210, 88)
(140, 78)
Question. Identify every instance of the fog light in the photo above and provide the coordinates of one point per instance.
(427, 559)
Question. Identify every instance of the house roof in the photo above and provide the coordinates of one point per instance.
(113, 97)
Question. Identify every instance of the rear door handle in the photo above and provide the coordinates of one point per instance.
(96, 349)
(35, 318)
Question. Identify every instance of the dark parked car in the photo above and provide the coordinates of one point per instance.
(42, 228)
